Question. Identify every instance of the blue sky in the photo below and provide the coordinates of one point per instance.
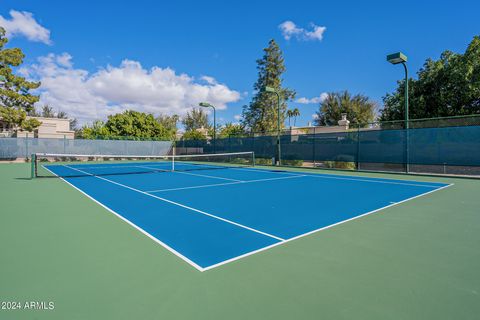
(99, 57)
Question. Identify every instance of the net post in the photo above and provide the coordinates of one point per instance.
(253, 159)
(26, 146)
(33, 166)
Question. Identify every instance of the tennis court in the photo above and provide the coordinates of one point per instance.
(416, 259)
(209, 211)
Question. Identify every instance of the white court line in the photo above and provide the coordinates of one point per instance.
(320, 229)
(196, 174)
(374, 181)
(182, 205)
(252, 252)
(267, 171)
(175, 252)
(327, 176)
(226, 183)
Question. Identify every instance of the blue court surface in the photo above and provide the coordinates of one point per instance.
(211, 217)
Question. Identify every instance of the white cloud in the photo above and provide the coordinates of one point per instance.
(89, 96)
(316, 33)
(290, 30)
(319, 99)
(314, 116)
(237, 117)
(209, 80)
(23, 23)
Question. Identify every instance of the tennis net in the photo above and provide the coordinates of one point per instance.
(78, 165)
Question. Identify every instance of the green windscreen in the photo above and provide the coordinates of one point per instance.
(451, 142)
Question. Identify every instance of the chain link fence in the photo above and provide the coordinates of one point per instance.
(436, 145)
(20, 149)
(449, 145)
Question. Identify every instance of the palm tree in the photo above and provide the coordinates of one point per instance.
(289, 116)
(295, 114)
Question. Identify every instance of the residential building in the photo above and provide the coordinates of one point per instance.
(50, 128)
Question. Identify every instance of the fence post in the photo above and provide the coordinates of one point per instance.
(253, 144)
(313, 144)
(358, 147)
(408, 149)
(407, 156)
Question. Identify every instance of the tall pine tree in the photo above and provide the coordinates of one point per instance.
(261, 114)
(15, 91)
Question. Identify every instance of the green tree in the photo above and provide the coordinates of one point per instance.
(47, 112)
(231, 129)
(15, 91)
(359, 109)
(17, 119)
(135, 124)
(449, 86)
(93, 131)
(30, 124)
(196, 119)
(193, 135)
(132, 124)
(169, 123)
(12, 117)
(62, 115)
(293, 113)
(289, 116)
(261, 114)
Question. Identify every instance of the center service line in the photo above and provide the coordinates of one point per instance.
(180, 205)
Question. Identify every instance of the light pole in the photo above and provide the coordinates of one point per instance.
(397, 58)
(208, 105)
(272, 90)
